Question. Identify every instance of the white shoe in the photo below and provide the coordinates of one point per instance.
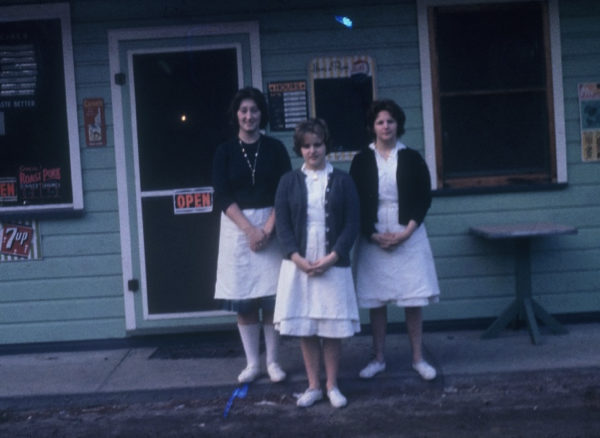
(374, 367)
(309, 398)
(249, 374)
(426, 371)
(276, 374)
(336, 398)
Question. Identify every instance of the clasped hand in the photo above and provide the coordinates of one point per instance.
(257, 238)
(318, 267)
(390, 241)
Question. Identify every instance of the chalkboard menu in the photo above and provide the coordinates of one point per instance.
(39, 147)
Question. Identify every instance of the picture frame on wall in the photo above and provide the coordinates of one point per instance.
(342, 89)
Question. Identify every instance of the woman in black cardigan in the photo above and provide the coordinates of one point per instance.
(246, 171)
(394, 263)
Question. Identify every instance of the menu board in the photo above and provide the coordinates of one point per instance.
(40, 166)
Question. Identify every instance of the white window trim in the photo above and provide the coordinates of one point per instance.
(115, 37)
(62, 12)
(427, 90)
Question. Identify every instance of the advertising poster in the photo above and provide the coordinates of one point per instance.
(288, 104)
(589, 107)
(94, 123)
(19, 240)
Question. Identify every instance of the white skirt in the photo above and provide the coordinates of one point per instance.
(242, 273)
(323, 305)
(405, 276)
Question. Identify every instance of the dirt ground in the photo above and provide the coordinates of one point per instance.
(560, 403)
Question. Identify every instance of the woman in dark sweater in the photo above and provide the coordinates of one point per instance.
(317, 223)
(246, 172)
(394, 263)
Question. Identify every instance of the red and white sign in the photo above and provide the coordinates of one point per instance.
(16, 240)
(196, 200)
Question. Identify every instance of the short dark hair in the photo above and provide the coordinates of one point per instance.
(310, 126)
(249, 93)
(391, 107)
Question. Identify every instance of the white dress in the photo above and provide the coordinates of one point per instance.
(405, 276)
(242, 273)
(323, 305)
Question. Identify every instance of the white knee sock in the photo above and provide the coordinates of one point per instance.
(271, 343)
(250, 334)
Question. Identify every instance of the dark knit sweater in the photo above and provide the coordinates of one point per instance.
(412, 179)
(232, 178)
(341, 214)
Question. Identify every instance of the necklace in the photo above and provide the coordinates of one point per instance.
(250, 166)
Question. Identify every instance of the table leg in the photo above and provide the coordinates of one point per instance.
(524, 306)
(532, 326)
(548, 320)
(507, 315)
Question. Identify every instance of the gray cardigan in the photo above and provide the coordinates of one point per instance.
(341, 214)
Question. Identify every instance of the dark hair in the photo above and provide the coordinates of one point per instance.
(258, 98)
(310, 126)
(391, 107)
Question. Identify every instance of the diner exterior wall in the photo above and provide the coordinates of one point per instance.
(75, 292)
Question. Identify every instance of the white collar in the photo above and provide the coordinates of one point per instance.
(398, 147)
(327, 169)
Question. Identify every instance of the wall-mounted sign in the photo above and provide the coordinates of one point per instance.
(19, 241)
(40, 167)
(342, 90)
(589, 107)
(288, 104)
(196, 200)
(93, 122)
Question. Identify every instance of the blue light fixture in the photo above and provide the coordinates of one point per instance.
(346, 21)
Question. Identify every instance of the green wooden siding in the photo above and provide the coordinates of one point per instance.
(75, 291)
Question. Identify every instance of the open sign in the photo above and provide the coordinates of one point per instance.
(196, 200)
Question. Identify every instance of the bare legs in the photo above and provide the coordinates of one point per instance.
(414, 327)
(379, 329)
(311, 353)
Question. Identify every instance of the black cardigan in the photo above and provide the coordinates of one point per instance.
(414, 187)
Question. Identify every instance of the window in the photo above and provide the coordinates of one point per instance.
(40, 168)
(492, 95)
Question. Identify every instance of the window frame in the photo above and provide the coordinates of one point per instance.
(41, 12)
(431, 128)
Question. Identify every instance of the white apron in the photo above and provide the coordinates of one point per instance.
(405, 276)
(242, 273)
(323, 305)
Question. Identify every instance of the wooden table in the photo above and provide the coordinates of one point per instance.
(523, 306)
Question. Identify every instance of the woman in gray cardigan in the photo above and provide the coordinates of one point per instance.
(316, 211)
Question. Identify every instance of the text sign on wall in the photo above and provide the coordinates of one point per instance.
(196, 200)
(288, 104)
(589, 107)
(40, 167)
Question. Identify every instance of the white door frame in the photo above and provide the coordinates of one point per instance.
(115, 38)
